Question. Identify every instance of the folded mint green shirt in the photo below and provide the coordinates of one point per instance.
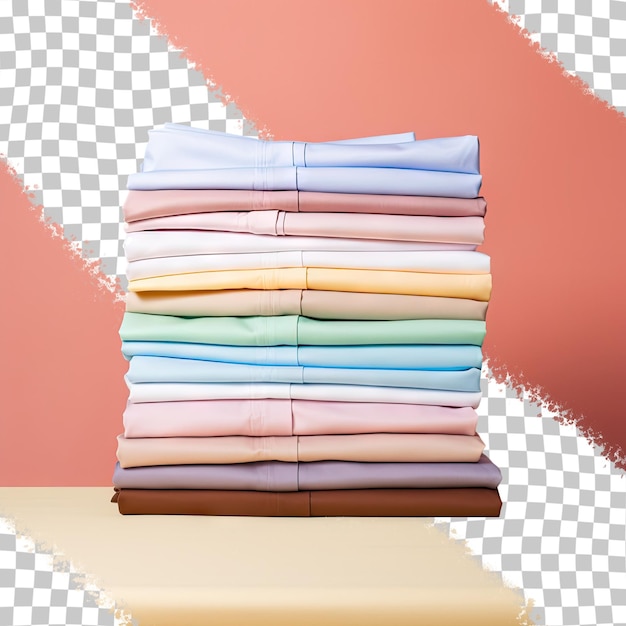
(293, 330)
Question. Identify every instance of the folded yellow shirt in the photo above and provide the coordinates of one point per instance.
(472, 286)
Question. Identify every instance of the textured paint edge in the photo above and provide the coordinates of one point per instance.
(60, 563)
(71, 246)
(551, 57)
(176, 44)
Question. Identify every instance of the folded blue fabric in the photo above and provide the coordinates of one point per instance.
(370, 180)
(176, 148)
(148, 369)
(372, 139)
(422, 357)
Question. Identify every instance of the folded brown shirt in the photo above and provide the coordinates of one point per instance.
(465, 502)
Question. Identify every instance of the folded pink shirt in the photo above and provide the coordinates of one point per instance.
(285, 417)
(141, 205)
(418, 228)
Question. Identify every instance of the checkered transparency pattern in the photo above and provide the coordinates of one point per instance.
(37, 587)
(587, 36)
(82, 81)
(561, 536)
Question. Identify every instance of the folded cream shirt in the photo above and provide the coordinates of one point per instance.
(447, 262)
(174, 392)
(156, 244)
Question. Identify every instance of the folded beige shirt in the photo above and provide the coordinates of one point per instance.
(378, 447)
(339, 305)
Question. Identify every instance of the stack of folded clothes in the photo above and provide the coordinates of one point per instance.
(304, 326)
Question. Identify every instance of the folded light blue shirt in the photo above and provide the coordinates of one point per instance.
(147, 369)
(422, 357)
(369, 180)
(174, 147)
(179, 157)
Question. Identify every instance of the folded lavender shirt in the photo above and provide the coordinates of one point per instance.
(448, 262)
(174, 147)
(279, 476)
(179, 157)
(367, 180)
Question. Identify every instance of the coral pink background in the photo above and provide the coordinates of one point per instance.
(553, 165)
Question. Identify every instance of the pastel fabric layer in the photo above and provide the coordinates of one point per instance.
(362, 180)
(373, 139)
(175, 147)
(142, 205)
(284, 417)
(334, 305)
(278, 476)
(469, 286)
(422, 357)
(462, 502)
(156, 369)
(452, 262)
(379, 447)
(157, 244)
(296, 330)
(418, 228)
(176, 392)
